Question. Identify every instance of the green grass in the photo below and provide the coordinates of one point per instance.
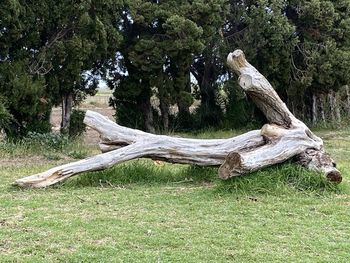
(140, 212)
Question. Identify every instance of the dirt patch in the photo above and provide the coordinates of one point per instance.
(90, 136)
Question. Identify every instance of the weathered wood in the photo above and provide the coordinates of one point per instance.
(296, 140)
(125, 144)
(285, 137)
(281, 145)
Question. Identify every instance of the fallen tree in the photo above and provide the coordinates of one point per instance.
(283, 138)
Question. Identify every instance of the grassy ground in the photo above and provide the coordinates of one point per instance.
(141, 212)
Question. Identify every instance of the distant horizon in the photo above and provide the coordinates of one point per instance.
(102, 85)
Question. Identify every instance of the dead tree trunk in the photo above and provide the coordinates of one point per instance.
(284, 137)
(285, 123)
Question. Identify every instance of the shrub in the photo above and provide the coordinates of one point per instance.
(26, 101)
(76, 125)
(55, 141)
(5, 116)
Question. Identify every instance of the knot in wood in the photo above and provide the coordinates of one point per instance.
(271, 132)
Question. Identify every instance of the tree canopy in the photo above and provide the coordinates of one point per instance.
(159, 57)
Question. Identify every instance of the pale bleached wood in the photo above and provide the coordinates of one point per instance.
(297, 139)
(282, 139)
(137, 144)
(282, 145)
(114, 136)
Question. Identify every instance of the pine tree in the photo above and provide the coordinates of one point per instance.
(76, 40)
(161, 40)
(321, 57)
(262, 30)
(22, 93)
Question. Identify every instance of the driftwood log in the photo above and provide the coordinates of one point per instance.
(283, 138)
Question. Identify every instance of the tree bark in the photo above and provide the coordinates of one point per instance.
(205, 72)
(67, 105)
(331, 106)
(147, 110)
(337, 107)
(283, 138)
(120, 144)
(321, 104)
(164, 110)
(276, 112)
(347, 100)
(314, 109)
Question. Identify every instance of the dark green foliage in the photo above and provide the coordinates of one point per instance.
(54, 141)
(51, 51)
(161, 40)
(263, 32)
(321, 57)
(77, 154)
(85, 38)
(25, 100)
(57, 51)
(77, 127)
(5, 116)
(24, 93)
(239, 111)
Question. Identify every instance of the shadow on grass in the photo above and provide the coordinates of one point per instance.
(145, 172)
(279, 179)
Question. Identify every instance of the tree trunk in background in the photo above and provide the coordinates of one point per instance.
(180, 72)
(337, 107)
(164, 110)
(347, 100)
(331, 106)
(148, 113)
(210, 109)
(67, 105)
(293, 108)
(205, 70)
(207, 95)
(182, 100)
(314, 109)
(184, 108)
(321, 103)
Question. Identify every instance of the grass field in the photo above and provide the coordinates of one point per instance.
(141, 212)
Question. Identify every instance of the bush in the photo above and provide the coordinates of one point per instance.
(26, 101)
(76, 125)
(5, 116)
(55, 141)
(240, 111)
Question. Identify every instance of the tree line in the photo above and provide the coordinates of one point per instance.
(159, 57)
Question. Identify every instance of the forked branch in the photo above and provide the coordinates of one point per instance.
(283, 138)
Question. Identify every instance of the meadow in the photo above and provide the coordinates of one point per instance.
(143, 211)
